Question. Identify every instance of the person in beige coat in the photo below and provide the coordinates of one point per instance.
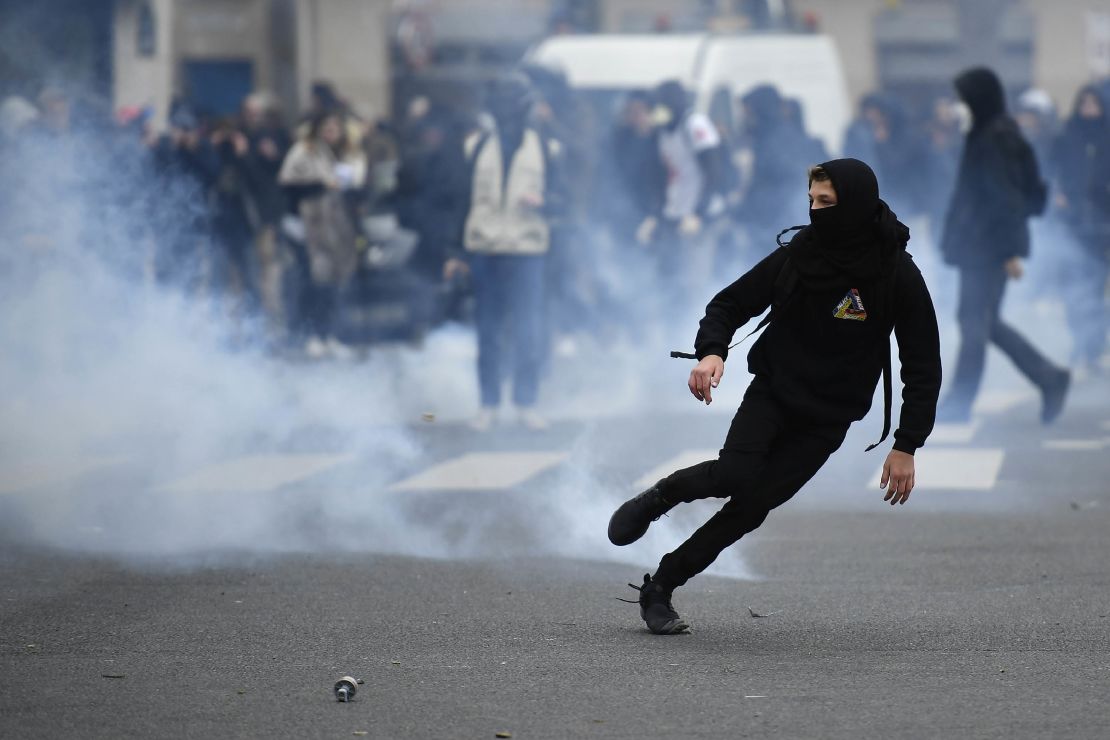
(318, 170)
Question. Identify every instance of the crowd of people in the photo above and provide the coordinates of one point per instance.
(339, 229)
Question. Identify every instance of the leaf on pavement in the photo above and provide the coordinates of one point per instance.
(757, 615)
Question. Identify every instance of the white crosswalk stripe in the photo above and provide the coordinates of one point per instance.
(954, 433)
(957, 469)
(482, 471)
(30, 474)
(1076, 445)
(255, 473)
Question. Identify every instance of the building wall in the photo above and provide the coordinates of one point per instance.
(225, 29)
(851, 24)
(1062, 57)
(346, 42)
(144, 80)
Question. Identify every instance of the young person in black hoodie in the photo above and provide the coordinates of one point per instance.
(836, 292)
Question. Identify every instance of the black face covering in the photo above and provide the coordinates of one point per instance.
(846, 243)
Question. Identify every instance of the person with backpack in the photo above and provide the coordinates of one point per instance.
(836, 292)
(986, 236)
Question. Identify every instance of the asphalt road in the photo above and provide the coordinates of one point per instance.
(971, 612)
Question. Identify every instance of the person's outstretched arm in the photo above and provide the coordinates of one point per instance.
(915, 329)
(730, 309)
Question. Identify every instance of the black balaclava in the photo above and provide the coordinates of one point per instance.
(510, 102)
(849, 242)
(981, 89)
(764, 109)
(1089, 129)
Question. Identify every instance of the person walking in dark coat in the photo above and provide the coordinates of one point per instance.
(836, 292)
(986, 236)
(1081, 174)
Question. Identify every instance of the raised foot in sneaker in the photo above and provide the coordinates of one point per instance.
(1054, 395)
(656, 609)
(632, 519)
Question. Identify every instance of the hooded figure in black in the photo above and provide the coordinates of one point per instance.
(836, 293)
(1081, 176)
(779, 152)
(986, 235)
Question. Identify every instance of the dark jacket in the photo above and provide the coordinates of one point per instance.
(998, 186)
(1081, 171)
(826, 367)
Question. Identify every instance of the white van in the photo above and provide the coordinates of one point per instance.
(716, 68)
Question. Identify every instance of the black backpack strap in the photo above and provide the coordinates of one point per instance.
(785, 284)
(888, 397)
(888, 381)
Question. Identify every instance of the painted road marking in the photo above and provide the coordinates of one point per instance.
(29, 474)
(997, 402)
(954, 433)
(684, 459)
(480, 471)
(1076, 445)
(966, 469)
(254, 474)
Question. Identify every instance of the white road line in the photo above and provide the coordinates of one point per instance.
(965, 469)
(254, 474)
(1076, 445)
(481, 471)
(28, 474)
(996, 402)
(684, 459)
(954, 433)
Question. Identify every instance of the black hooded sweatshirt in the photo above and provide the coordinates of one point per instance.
(823, 353)
(998, 186)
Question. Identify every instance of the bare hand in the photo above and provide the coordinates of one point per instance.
(531, 201)
(898, 473)
(453, 267)
(1014, 268)
(705, 377)
(646, 230)
(268, 149)
(241, 144)
(690, 225)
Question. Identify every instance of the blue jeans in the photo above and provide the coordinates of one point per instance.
(509, 304)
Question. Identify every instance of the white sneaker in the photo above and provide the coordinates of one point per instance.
(532, 421)
(339, 350)
(315, 348)
(484, 420)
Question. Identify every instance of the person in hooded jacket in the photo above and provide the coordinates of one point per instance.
(1081, 174)
(778, 149)
(986, 236)
(511, 194)
(836, 292)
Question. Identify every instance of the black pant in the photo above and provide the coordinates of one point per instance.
(981, 291)
(769, 454)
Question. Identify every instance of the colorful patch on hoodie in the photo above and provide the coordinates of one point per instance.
(851, 307)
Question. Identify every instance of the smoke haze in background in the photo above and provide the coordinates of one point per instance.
(136, 383)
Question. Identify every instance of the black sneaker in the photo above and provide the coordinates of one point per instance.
(1053, 397)
(632, 519)
(656, 609)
